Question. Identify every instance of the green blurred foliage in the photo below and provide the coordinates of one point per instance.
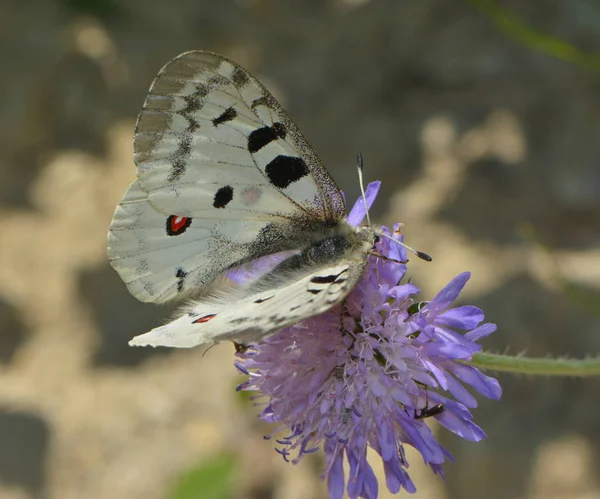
(102, 9)
(208, 480)
(525, 34)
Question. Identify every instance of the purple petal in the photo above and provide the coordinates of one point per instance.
(448, 350)
(358, 211)
(487, 386)
(467, 317)
(355, 478)
(400, 251)
(387, 440)
(335, 478)
(396, 477)
(450, 337)
(446, 296)
(461, 427)
(480, 332)
(403, 291)
(258, 267)
(439, 374)
(460, 393)
(370, 488)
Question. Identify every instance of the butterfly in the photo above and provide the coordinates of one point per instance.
(224, 180)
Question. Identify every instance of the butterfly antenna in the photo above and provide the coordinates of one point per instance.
(359, 166)
(422, 255)
(205, 351)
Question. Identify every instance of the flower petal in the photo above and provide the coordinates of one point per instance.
(467, 317)
(446, 296)
(403, 291)
(461, 427)
(460, 393)
(487, 386)
(480, 332)
(359, 211)
(396, 477)
(335, 478)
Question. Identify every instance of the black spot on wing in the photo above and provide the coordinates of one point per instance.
(285, 170)
(261, 101)
(239, 78)
(322, 282)
(223, 196)
(181, 275)
(277, 319)
(193, 124)
(193, 104)
(180, 157)
(194, 101)
(262, 300)
(324, 279)
(217, 81)
(260, 137)
(201, 90)
(229, 114)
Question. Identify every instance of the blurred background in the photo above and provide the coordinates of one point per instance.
(482, 118)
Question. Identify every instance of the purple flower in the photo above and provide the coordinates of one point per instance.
(368, 372)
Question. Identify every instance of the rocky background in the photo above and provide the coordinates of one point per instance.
(481, 117)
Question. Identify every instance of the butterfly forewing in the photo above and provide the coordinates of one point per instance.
(208, 122)
(224, 177)
(159, 257)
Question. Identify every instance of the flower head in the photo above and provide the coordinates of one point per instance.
(369, 371)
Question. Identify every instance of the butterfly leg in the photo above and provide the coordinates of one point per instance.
(387, 259)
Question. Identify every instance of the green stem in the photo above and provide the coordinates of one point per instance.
(544, 367)
(519, 30)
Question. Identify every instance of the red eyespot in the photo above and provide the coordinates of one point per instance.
(206, 318)
(177, 225)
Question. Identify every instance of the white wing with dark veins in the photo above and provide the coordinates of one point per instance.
(224, 177)
(260, 313)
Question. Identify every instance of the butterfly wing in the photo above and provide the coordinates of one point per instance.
(262, 312)
(158, 256)
(208, 123)
(224, 177)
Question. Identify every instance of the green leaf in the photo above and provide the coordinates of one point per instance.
(208, 480)
(524, 33)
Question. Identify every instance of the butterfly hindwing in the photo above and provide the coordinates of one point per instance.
(259, 313)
